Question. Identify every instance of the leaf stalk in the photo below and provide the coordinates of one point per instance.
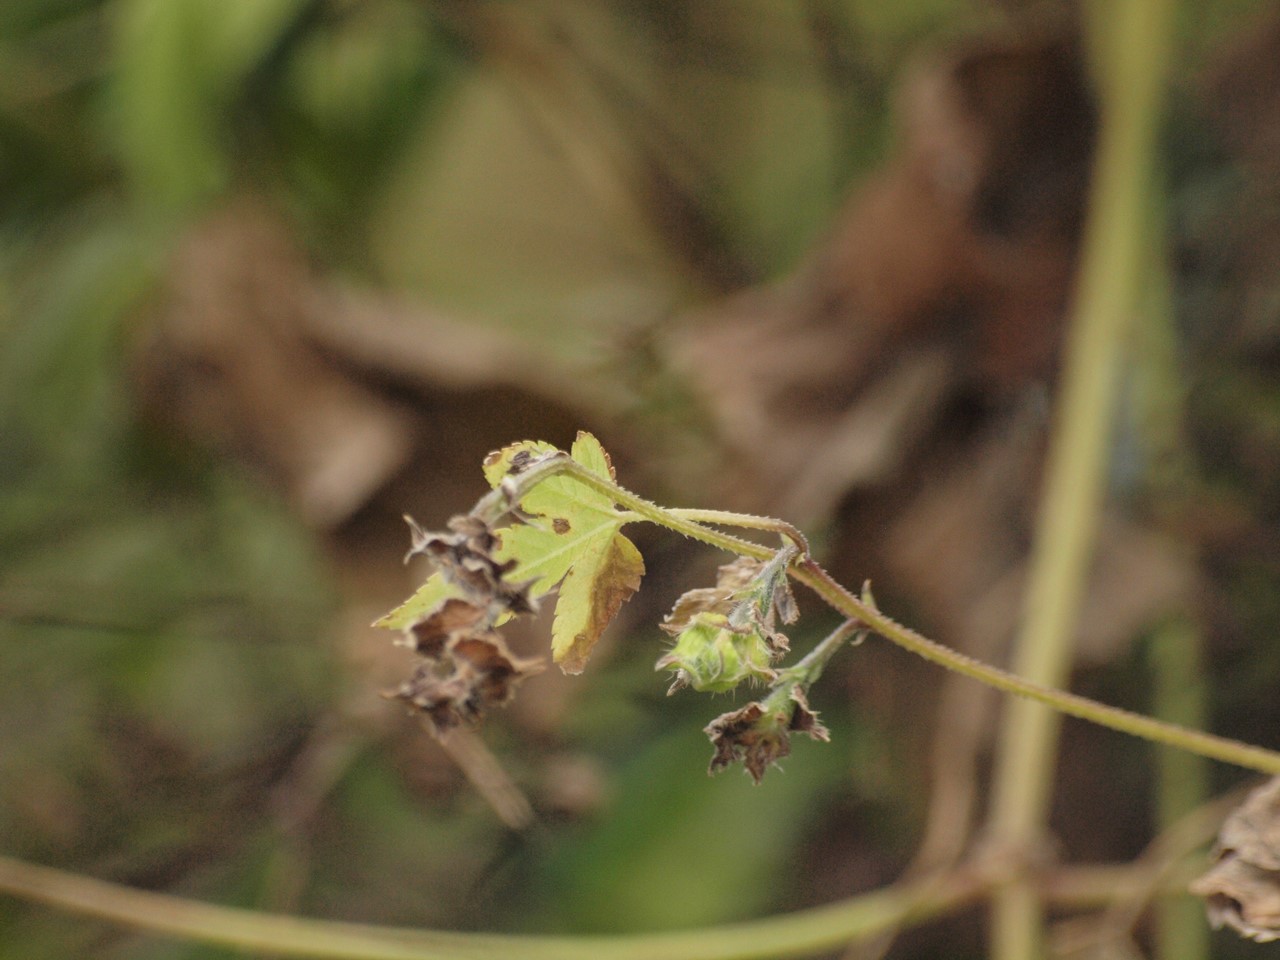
(805, 570)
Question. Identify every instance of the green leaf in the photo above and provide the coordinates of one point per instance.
(573, 540)
(425, 599)
(180, 67)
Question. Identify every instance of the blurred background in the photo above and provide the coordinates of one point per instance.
(275, 272)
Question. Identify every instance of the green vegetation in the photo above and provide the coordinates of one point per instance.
(189, 694)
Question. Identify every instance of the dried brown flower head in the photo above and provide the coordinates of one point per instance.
(1242, 889)
(466, 558)
(759, 734)
(465, 673)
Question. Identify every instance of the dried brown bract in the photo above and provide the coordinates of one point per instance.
(494, 670)
(751, 595)
(466, 667)
(465, 670)
(804, 720)
(453, 618)
(466, 558)
(445, 700)
(731, 579)
(759, 735)
(1242, 889)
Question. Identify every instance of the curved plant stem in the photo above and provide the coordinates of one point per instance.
(746, 521)
(798, 934)
(791, 935)
(807, 571)
(809, 669)
(1133, 64)
(1124, 721)
(803, 933)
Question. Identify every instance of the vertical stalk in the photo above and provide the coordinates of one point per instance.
(1137, 35)
(1176, 660)
(1175, 651)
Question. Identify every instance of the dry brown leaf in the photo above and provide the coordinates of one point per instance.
(228, 363)
(758, 737)
(947, 272)
(1242, 889)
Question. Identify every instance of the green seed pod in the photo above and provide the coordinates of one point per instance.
(712, 656)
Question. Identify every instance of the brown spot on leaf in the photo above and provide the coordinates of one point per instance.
(560, 525)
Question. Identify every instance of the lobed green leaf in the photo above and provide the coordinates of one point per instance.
(571, 540)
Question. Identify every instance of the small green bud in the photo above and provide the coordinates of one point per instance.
(713, 656)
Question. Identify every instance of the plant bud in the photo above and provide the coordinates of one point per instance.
(712, 656)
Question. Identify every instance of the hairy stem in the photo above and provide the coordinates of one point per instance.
(806, 570)
(806, 672)
(746, 521)
(1125, 721)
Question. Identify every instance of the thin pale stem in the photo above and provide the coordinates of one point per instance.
(1133, 67)
(745, 521)
(799, 934)
(1179, 695)
(1175, 651)
(808, 669)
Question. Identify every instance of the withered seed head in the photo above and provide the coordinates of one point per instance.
(453, 617)
(466, 666)
(466, 558)
(759, 737)
(469, 673)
